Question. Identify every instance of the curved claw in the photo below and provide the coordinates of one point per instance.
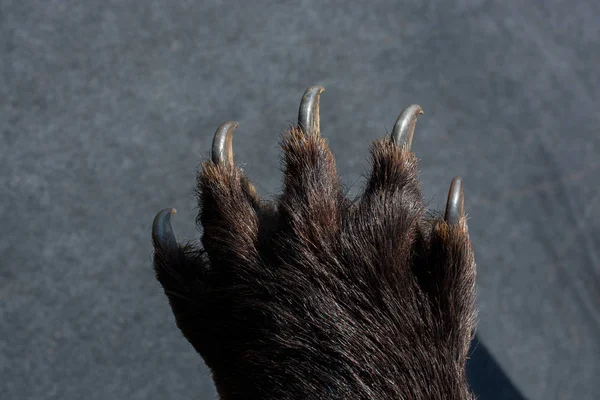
(404, 128)
(222, 150)
(308, 115)
(455, 206)
(162, 232)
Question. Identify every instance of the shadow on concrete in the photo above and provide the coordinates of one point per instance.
(488, 380)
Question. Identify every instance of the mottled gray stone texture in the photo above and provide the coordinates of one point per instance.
(107, 107)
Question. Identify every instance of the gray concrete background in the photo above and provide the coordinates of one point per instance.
(106, 108)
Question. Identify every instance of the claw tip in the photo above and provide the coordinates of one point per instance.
(222, 150)
(162, 232)
(455, 204)
(404, 127)
(308, 114)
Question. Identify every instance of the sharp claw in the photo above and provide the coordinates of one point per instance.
(308, 115)
(404, 128)
(222, 150)
(455, 206)
(162, 232)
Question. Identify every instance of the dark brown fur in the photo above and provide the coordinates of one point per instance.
(314, 296)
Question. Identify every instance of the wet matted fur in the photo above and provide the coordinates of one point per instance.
(314, 295)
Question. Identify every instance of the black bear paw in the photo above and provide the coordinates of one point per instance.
(314, 295)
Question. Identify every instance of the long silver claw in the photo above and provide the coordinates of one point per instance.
(308, 115)
(455, 206)
(404, 128)
(162, 232)
(222, 150)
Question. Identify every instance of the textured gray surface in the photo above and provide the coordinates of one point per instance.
(106, 107)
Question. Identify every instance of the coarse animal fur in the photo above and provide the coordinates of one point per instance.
(316, 296)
